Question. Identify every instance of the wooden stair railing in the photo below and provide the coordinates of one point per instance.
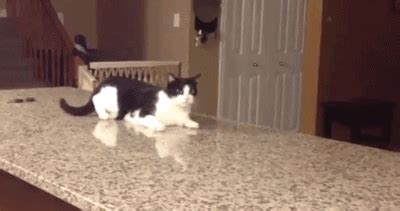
(46, 41)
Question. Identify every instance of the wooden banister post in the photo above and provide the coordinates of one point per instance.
(11, 7)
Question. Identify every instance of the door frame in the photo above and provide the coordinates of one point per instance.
(221, 55)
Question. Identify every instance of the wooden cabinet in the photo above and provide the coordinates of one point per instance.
(16, 194)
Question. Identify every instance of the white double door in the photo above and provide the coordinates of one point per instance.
(261, 62)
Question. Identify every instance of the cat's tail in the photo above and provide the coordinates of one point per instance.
(77, 111)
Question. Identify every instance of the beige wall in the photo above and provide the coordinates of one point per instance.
(311, 66)
(146, 27)
(79, 18)
(148, 31)
(205, 60)
(120, 29)
(163, 41)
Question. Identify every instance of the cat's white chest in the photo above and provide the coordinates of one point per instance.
(168, 112)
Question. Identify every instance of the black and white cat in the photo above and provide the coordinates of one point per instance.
(141, 103)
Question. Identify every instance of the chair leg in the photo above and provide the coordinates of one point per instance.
(355, 133)
(327, 133)
(386, 134)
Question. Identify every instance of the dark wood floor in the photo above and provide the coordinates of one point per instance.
(16, 195)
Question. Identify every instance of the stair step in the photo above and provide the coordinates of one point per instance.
(11, 53)
(19, 65)
(15, 63)
(15, 70)
(13, 42)
(10, 49)
(16, 77)
(7, 21)
(5, 34)
(8, 28)
(6, 71)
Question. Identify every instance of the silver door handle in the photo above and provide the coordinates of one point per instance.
(255, 64)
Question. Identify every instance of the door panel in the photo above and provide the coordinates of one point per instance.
(288, 62)
(261, 71)
(253, 108)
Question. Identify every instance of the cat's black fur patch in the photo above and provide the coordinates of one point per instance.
(134, 95)
(77, 111)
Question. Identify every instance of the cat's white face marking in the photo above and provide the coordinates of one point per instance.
(185, 99)
(175, 110)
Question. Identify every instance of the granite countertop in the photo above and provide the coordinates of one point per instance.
(108, 165)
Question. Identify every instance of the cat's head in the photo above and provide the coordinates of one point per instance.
(183, 90)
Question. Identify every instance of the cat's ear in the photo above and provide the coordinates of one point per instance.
(196, 77)
(171, 77)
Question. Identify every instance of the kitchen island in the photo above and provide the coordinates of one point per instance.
(110, 165)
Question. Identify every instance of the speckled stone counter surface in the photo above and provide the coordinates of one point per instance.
(108, 165)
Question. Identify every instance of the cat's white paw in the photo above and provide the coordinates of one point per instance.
(191, 124)
(156, 126)
(159, 127)
(103, 116)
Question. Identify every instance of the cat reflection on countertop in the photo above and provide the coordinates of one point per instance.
(106, 132)
(171, 143)
(141, 103)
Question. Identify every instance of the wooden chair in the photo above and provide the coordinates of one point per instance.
(358, 114)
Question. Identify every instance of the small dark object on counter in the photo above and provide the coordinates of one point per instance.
(16, 100)
(19, 100)
(30, 99)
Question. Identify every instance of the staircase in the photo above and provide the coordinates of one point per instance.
(15, 70)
